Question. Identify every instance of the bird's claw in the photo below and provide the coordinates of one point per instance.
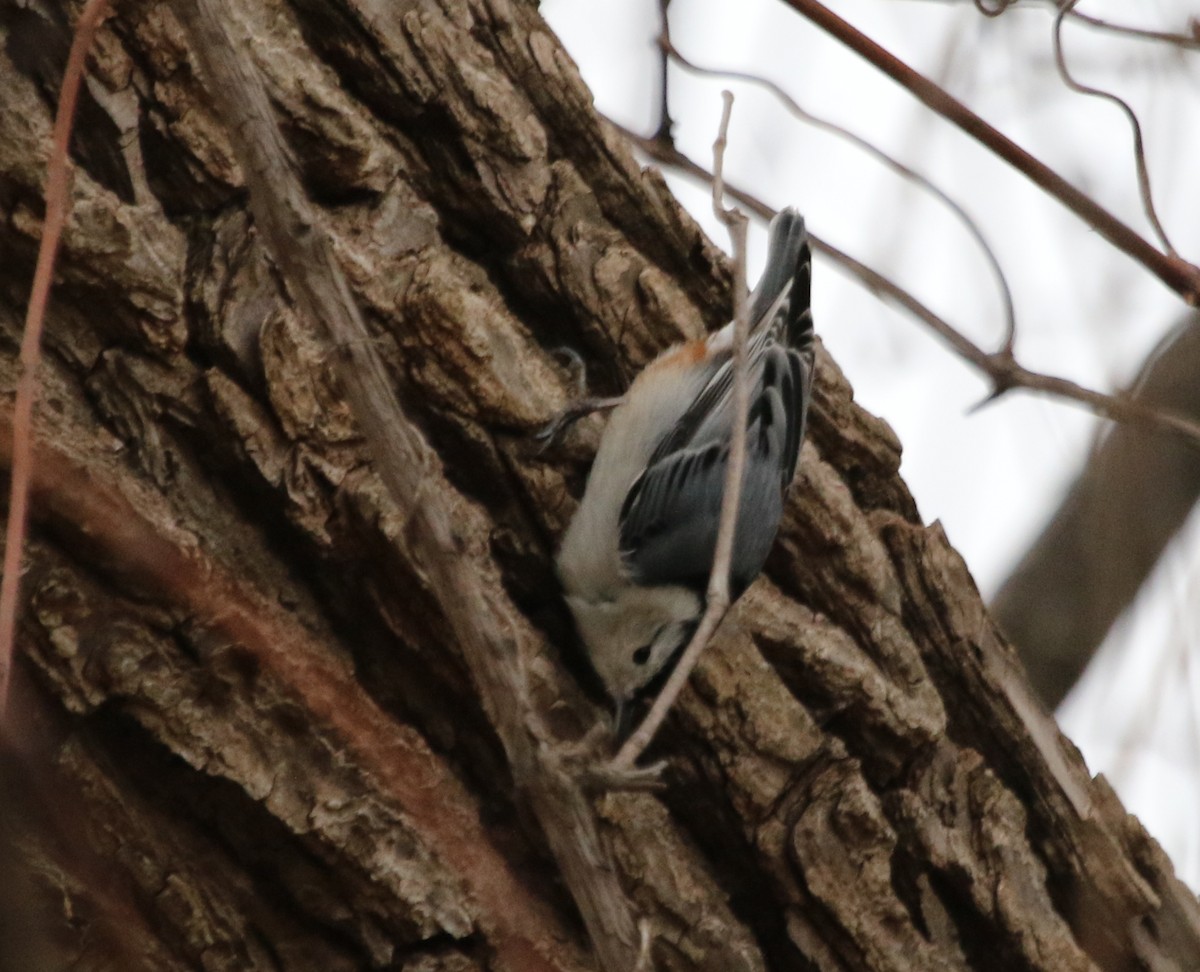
(610, 776)
(575, 364)
(549, 433)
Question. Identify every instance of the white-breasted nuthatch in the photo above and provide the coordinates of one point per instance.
(636, 559)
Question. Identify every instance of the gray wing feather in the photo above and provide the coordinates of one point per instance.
(670, 516)
(668, 521)
(671, 531)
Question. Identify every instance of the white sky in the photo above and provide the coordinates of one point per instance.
(1084, 311)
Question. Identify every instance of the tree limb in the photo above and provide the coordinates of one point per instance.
(1131, 498)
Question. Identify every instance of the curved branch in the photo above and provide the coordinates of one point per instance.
(1139, 147)
(894, 164)
(1004, 371)
(1186, 42)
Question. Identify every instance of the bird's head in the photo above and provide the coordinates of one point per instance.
(632, 633)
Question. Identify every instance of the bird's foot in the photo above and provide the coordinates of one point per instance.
(549, 433)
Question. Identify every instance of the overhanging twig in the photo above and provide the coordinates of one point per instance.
(717, 599)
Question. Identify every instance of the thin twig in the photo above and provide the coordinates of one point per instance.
(1189, 41)
(1010, 320)
(666, 126)
(1186, 41)
(1139, 147)
(1179, 275)
(58, 204)
(718, 600)
(1004, 371)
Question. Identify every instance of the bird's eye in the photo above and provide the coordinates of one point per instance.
(641, 655)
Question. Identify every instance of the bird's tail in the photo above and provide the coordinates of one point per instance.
(789, 261)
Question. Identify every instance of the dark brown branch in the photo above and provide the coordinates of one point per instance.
(1004, 371)
(301, 250)
(58, 204)
(1179, 275)
(717, 598)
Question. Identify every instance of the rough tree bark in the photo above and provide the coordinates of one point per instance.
(246, 734)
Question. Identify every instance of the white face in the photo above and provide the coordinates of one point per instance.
(629, 639)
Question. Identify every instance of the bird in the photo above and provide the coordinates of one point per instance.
(635, 559)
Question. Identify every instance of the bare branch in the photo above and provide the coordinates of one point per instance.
(1189, 41)
(666, 125)
(1185, 41)
(1139, 148)
(1004, 371)
(894, 164)
(1179, 275)
(58, 204)
(717, 599)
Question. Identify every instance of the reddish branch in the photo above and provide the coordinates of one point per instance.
(58, 188)
(1181, 276)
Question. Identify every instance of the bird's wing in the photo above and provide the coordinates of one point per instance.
(668, 521)
(780, 313)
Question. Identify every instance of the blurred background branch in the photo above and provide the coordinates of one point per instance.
(1103, 541)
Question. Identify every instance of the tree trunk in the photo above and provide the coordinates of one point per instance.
(246, 732)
